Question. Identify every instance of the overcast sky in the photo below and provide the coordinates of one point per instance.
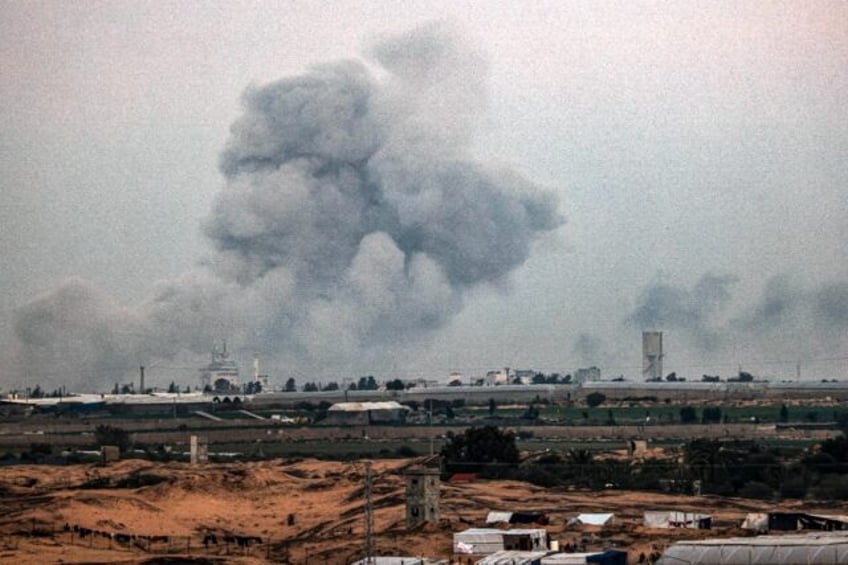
(520, 184)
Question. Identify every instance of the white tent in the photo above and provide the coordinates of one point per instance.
(674, 519)
(495, 517)
(592, 519)
(757, 521)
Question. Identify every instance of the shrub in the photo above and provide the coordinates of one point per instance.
(594, 399)
(105, 434)
(756, 489)
(688, 415)
(793, 487)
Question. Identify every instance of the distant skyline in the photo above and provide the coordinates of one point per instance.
(363, 188)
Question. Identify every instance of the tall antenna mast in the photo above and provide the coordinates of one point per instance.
(369, 517)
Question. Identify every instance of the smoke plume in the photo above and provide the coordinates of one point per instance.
(352, 220)
(788, 323)
(691, 311)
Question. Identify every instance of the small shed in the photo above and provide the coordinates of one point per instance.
(485, 541)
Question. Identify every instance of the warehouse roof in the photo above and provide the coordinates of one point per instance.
(362, 406)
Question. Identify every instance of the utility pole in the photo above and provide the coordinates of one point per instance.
(369, 517)
(430, 422)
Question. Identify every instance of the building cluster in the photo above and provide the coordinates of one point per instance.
(520, 538)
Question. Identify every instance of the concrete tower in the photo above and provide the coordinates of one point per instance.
(422, 495)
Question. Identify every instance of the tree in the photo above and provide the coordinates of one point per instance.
(688, 415)
(224, 385)
(172, 387)
(532, 413)
(488, 444)
(595, 399)
(367, 383)
(395, 384)
(744, 377)
(36, 392)
(331, 386)
(711, 415)
(105, 434)
(492, 407)
(310, 387)
(291, 386)
(784, 414)
(539, 379)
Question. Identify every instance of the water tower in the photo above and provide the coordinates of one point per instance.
(652, 355)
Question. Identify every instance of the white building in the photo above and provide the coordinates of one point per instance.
(221, 373)
(500, 377)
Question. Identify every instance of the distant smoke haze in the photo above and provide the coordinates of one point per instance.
(353, 220)
(789, 322)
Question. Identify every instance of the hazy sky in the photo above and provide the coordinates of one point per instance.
(441, 186)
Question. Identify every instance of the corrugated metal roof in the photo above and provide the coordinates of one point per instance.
(790, 539)
(509, 557)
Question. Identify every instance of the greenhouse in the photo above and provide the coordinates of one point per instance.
(822, 549)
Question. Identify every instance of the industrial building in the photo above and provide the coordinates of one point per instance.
(364, 413)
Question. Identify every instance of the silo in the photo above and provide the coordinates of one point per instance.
(652, 354)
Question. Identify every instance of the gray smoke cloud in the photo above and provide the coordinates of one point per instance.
(352, 220)
(588, 350)
(692, 311)
(789, 321)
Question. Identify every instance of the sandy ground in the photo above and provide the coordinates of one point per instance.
(303, 512)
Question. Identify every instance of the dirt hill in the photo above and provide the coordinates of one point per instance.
(304, 511)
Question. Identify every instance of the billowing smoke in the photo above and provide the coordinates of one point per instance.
(788, 323)
(589, 350)
(353, 220)
(691, 311)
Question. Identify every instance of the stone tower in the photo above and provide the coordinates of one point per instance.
(422, 495)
